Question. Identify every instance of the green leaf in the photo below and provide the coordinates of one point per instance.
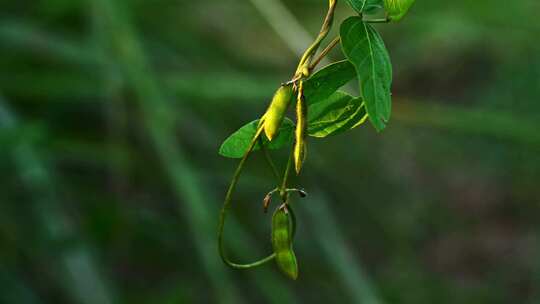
(238, 143)
(397, 9)
(327, 81)
(373, 7)
(336, 114)
(364, 6)
(364, 47)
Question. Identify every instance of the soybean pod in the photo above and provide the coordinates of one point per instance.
(300, 147)
(275, 114)
(283, 226)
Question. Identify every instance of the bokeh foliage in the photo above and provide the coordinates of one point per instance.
(112, 112)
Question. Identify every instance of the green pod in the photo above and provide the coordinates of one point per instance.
(282, 234)
(276, 112)
(300, 147)
(397, 9)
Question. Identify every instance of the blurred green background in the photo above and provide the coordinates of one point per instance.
(112, 112)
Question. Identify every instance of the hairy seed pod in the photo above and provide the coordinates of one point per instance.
(282, 235)
(397, 9)
(300, 147)
(276, 111)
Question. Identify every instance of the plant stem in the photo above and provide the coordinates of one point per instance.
(302, 70)
(324, 53)
(327, 24)
(385, 20)
(227, 206)
(268, 158)
(283, 189)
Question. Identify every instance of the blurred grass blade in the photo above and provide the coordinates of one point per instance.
(187, 187)
(496, 124)
(338, 254)
(159, 120)
(81, 280)
(21, 36)
(14, 289)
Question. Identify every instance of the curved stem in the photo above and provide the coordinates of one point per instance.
(268, 158)
(283, 188)
(227, 206)
(302, 70)
(252, 265)
(327, 24)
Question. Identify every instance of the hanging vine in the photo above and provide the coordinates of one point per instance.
(321, 110)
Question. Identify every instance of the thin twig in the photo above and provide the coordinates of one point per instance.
(385, 20)
(327, 25)
(283, 188)
(325, 52)
(269, 160)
